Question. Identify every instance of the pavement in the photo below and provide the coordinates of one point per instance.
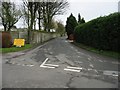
(59, 64)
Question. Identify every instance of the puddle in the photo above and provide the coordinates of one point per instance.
(112, 73)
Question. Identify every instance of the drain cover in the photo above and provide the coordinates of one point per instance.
(113, 73)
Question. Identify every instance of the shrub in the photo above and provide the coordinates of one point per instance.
(102, 33)
(6, 40)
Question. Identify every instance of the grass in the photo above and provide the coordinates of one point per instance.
(101, 52)
(15, 49)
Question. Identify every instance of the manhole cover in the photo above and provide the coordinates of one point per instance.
(113, 73)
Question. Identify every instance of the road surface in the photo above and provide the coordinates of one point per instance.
(71, 67)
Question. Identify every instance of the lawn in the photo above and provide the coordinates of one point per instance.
(15, 49)
(105, 53)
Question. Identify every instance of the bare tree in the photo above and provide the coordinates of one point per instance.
(32, 8)
(53, 8)
(9, 15)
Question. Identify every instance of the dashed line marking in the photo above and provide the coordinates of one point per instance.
(89, 59)
(100, 61)
(91, 65)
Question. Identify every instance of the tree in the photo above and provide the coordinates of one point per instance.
(9, 15)
(79, 18)
(50, 9)
(82, 20)
(71, 23)
(32, 8)
(60, 28)
(39, 14)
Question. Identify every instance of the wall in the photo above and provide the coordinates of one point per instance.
(37, 37)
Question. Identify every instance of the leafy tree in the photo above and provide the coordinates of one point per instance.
(60, 28)
(82, 20)
(79, 18)
(9, 15)
(71, 23)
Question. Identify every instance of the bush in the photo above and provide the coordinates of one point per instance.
(6, 40)
(102, 33)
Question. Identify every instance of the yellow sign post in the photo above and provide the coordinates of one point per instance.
(19, 42)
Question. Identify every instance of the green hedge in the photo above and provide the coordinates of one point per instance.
(102, 33)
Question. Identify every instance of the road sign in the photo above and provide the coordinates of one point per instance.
(19, 42)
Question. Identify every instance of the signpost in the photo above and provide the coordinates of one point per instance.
(19, 42)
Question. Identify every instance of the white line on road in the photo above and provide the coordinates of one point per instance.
(44, 62)
(67, 69)
(91, 65)
(51, 65)
(46, 66)
(89, 58)
(100, 61)
(73, 67)
(30, 65)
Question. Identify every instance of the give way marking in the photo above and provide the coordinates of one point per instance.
(74, 69)
(48, 65)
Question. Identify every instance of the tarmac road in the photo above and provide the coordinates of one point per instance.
(73, 68)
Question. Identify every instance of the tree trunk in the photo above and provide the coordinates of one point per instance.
(39, 19)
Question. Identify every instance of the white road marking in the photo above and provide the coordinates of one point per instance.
(100, 61)
(73, 67)
(30, 65)
(91, 65)
(96, 71)
(89, 59)
(89, 69)
(46, 66)
(67, 69)
(44, 62)
(51, 65)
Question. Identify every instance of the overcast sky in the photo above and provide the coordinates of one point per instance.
(89, 9)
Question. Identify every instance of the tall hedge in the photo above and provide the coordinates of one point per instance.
(102, 33)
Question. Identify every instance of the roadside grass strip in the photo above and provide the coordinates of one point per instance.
(43, 65)
(73, 69)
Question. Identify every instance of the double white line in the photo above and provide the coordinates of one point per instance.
(48, 65)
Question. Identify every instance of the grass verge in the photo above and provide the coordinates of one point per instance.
(15, 49)
(105, 53)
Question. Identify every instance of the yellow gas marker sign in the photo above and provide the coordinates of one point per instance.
(19, 42)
